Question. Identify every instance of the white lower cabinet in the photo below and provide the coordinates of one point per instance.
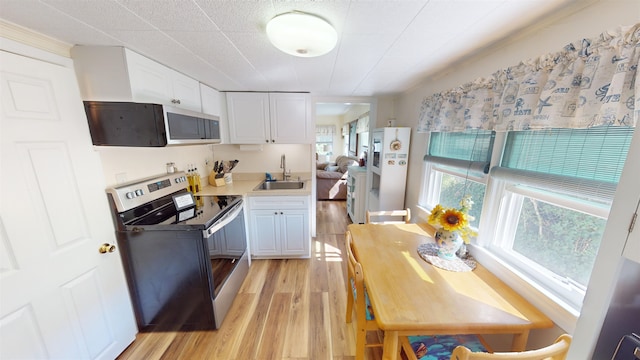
(279, 226)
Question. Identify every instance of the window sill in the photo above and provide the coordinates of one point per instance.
(558, 311)
(423, 212)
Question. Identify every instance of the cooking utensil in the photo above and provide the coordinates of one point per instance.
(233, 164)
(220, 169)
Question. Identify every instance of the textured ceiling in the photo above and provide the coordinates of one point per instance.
(384, 47)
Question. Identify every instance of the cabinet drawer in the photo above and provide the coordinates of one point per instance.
(278, 202)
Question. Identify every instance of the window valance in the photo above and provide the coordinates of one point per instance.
(325, 130)
(363, 124)
(591, 82)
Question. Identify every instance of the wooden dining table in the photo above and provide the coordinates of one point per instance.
(410, 296)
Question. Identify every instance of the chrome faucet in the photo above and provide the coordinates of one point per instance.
(283, 166)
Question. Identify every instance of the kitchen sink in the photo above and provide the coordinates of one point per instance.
(280, 185)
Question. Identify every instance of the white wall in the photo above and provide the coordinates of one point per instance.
(355, 112)
(133, 163)
(386, 110)
(589, 22)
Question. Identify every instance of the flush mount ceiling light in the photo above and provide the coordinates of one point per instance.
(301, 34)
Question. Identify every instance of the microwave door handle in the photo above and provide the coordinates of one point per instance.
(226, 219)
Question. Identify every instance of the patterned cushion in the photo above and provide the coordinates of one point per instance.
(369, 310)
(344, 162)
(440, 347)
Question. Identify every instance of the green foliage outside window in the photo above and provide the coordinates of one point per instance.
(564, 241)
(454, 188)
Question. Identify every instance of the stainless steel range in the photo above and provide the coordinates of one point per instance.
(185, 258)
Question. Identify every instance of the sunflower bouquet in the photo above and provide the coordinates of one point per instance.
(454, 219)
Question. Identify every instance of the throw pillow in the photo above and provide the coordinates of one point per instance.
(344, 162)
(332, 168)
(321, 165)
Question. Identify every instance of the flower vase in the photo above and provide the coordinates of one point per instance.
(448, 243)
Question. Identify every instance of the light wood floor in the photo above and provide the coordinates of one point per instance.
(286, 309)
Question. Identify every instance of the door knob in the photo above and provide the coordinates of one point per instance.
(106, 247)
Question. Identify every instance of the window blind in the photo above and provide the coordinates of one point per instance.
(470, 149)
(582, 162)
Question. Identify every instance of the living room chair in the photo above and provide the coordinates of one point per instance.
(556, 351)
(357, 295)
(405, 214)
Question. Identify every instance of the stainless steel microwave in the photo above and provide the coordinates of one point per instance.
(148, 125)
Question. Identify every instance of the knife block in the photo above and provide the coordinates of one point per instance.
(213, 181)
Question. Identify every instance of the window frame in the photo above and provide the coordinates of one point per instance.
(330, 132)
(511, 197)
(430, 197)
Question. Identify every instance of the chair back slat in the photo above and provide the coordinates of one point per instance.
(556, 351)
(383, 216)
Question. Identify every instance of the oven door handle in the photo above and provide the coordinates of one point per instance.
(226, 219)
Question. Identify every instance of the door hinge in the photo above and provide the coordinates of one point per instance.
(633, 222)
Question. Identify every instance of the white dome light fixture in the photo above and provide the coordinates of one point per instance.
(301, 34)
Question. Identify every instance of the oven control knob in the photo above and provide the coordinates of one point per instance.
(139, 192)
(131, 195)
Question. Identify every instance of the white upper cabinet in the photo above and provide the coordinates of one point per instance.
(214, 103)
(211, 100)
(278, 118)
(248, 115)
(107, 73)
(290, 118)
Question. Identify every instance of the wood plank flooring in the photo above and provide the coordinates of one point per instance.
(286, 309)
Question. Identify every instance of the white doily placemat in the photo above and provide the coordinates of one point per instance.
(429, 252)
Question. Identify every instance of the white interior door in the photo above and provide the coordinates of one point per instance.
(59, 297)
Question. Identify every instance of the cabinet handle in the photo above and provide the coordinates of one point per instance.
(175, 101)
(276, 213)
(281, 213)
(266, 141)
(273, 141)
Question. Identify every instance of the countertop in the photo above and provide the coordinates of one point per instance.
(245, 187)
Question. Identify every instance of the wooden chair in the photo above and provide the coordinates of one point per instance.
(357, 295)
(405, 214)
(440, 346)
(556, 351)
